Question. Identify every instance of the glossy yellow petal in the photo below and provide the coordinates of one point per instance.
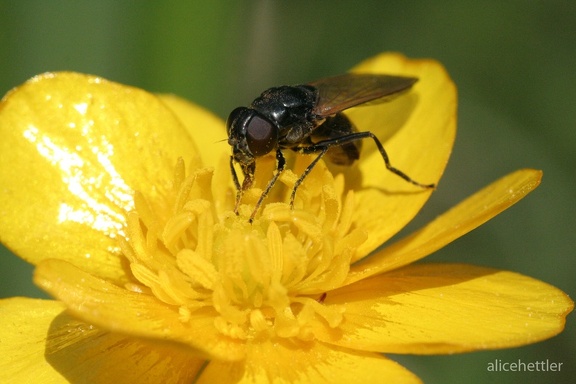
(417, 130)
(447, 308)
(40, 343)
(109, 307)
(207, 129)
(461, 219)
(74, 148)
(283, 362)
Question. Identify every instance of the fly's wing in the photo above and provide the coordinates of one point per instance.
(338, 93)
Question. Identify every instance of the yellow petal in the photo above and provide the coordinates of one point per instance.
(74, 148)
(447, 308)
(417, 130)
(111, 308)
(285, 362)
(461, 219)
(41, 343)
(207, 130)
(24, 324)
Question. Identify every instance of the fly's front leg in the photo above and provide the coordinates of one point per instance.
(239, 190)
(248, 170)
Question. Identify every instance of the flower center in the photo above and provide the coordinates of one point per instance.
(190, 250)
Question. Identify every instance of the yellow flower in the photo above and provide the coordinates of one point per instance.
(123, 200)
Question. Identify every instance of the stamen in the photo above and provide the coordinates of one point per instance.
(191, 251)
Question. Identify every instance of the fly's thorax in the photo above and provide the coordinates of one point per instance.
(287, 106)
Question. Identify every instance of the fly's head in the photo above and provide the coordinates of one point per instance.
(251, 135)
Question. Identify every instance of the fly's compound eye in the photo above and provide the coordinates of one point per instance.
(233, 117)
(261, 135)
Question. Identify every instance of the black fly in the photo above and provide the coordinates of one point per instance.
(307, 119)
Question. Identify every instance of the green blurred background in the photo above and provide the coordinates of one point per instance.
(513, 63)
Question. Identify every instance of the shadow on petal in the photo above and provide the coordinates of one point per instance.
(83, 353)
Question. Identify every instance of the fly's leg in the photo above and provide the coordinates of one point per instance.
(304, 150)
(322, 147)
(280, 165)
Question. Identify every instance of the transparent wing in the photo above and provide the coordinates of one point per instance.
(338, 93)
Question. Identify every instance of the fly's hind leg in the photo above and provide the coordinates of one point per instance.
(322, 147)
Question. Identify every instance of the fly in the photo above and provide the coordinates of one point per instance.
(307, 119)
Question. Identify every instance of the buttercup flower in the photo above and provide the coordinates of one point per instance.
(124, 202)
